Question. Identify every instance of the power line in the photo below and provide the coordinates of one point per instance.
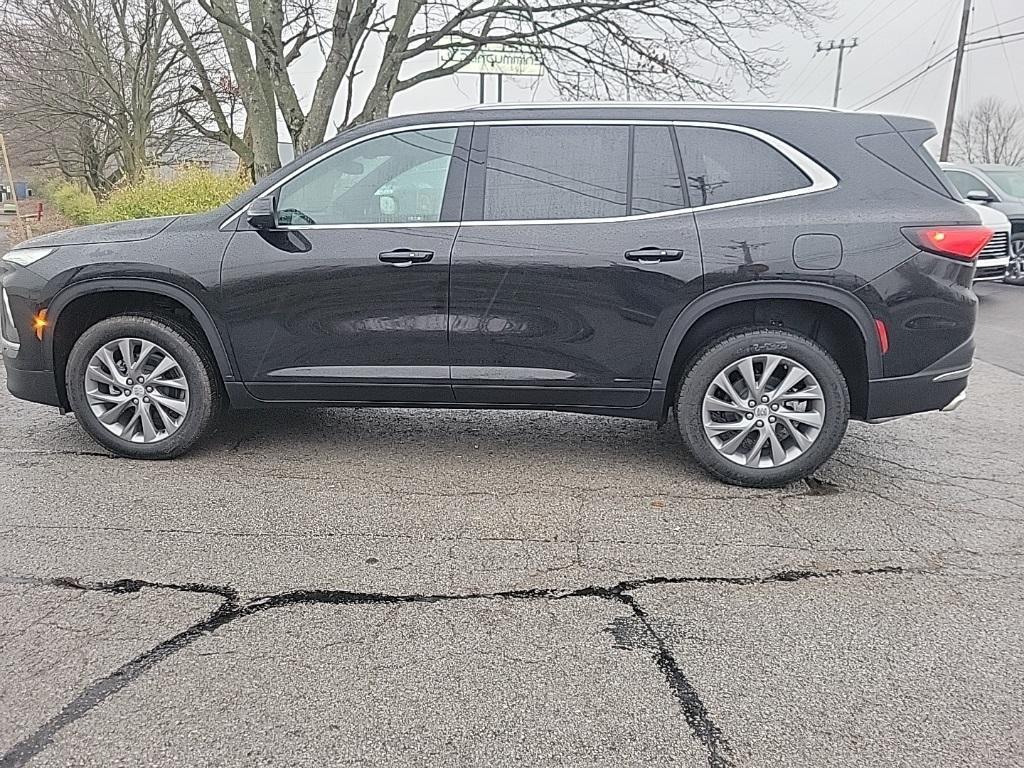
(867, 23)
(950, 14)
(801, 85)
(943, 58)
(856, 18)
(795, 86)
(998, 23)
(915, 74)
(1006, 56)
(1007, 36)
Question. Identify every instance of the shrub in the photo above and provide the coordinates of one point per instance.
(79, 206)
(191, 190)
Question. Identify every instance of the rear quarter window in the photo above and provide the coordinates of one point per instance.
(723, 166)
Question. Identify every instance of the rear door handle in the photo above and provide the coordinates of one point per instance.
(653, 255)
(403, 257)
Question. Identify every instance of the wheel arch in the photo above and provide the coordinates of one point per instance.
(863, 363)
(189, 303)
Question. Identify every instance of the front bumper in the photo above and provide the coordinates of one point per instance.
(991, 269)
(940, 387)
(34, 386)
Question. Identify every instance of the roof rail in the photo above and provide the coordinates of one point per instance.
(652, 104)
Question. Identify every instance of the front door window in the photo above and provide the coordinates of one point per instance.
(399, 178)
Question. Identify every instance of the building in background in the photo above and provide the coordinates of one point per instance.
(22, 188)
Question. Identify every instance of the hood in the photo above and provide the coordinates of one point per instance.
(990, 217)
(1012, 207)
(114, 232)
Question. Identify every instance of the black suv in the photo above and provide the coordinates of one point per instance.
(767, 272)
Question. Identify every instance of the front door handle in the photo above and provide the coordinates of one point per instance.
(403, 257)
(652, 255)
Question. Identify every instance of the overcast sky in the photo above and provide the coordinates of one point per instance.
(896, 38)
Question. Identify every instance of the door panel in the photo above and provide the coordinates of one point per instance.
(315, 315)
(347, 298)
(568, 312)
(556, 314)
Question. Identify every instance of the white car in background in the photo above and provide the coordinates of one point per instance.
(994, 257)
(1001, 188)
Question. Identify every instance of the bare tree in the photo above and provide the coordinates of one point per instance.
(991, 132)
(589, 48)
(101, 82)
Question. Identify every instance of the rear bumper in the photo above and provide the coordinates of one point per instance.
(34, 386)
(940, 387)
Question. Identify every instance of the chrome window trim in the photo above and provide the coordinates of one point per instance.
(821, 179)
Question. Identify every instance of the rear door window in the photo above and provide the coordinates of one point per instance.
(556, 172)
(722, 166)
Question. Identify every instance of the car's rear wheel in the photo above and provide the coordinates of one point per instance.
(762, 408)
(143, 387)
(1015, 270)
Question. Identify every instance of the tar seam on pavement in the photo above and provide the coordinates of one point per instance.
(699, 720)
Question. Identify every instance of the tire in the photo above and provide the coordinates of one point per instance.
(162, 436)
(1015, 271)
(798, 406)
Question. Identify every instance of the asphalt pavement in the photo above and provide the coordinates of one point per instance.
(383, 587)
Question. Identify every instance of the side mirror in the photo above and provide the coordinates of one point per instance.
(980, 196)
(262, 213)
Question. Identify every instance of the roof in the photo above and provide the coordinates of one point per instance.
(753, 114)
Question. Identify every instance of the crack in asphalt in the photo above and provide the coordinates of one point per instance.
(699, 720)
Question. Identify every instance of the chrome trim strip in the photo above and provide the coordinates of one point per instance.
(960, 374)
(373, 372)
(821, 179)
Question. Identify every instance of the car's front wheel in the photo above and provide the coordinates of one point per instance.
(762, 408)
(143, 387)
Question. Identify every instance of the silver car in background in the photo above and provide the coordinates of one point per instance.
(1000, 187)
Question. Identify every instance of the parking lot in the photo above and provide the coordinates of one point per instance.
(380, 587)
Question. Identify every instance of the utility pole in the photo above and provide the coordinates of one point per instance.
(842, 46)
(954, 90)
(26, 231)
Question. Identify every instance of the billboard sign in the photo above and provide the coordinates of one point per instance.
(497, 59)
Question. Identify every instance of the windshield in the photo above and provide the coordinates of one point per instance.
(1011, 182)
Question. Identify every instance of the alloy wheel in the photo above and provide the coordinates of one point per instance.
(136, 390)
(763, 411)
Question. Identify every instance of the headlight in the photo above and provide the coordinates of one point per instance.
(26, 256)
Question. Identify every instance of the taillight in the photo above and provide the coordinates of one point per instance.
(963, 243)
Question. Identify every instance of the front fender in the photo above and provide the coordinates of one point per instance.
(76, 290)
